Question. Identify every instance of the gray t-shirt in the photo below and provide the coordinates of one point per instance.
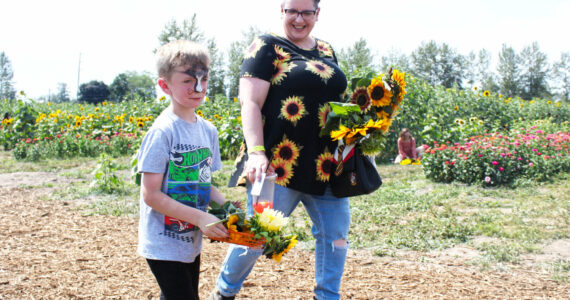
(187, 154)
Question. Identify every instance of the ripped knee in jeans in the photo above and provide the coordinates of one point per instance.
(340, 244)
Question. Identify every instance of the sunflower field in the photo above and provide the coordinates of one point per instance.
(454, 123)
(33, 130)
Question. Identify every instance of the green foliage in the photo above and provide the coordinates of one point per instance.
(93, 92)
(7, 90)
(132, 84)
(104, 178)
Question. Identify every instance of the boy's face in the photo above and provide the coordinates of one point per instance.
(187, 85)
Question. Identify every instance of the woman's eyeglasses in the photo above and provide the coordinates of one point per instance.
(293, 13)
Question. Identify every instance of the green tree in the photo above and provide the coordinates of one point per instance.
(395, 58)
(216, 84)
(561, 72)
(425, 62)
(452, 65)
(131, 84)
(356, 59)
(486, 77)
(534, 72)
(508, 69)
(93, 92)
(438, 65)
(62, 95)
(7, 90)
(188, 30)
(235, 57)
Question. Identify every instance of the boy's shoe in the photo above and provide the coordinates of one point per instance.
(215, 295)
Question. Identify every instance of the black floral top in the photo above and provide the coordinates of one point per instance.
(302, 82)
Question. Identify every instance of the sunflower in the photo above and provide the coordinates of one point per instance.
(354, 134)
(378, 92)
(325, 164)
(253, 48)
(382, 114)
(360, 97)
(284, 171)
(281, 67)
(140, 124)
(293, 109)
(400, 79)
(324, 49)
(287, 150)
(321, 69)
(292, 242)
(323, 114)
(340, 133)
(486, 93)
(282, 55)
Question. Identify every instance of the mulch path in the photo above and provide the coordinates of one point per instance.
(51, 250)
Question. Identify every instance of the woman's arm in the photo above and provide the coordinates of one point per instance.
(253, 92)
(154, 197)
(401, 149)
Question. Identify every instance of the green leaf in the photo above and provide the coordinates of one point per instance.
(344, 109)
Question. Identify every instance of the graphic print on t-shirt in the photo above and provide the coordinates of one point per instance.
(189, 177)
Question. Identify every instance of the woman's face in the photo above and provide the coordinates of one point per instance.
(298, 26)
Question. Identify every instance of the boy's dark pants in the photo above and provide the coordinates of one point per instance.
(177, 280)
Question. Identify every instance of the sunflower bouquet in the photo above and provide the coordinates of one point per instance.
(367, 114)
(262, 230)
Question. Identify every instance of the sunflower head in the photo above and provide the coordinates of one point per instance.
(379, 93)
(361, 98)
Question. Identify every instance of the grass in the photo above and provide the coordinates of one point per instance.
(408, 212)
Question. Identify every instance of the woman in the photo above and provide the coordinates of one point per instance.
(407, 147)
(286, 82)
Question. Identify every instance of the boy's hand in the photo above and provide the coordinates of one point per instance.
(217, 231)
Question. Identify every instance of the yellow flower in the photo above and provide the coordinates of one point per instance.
(378, 92)
(272, 220)
(405, 162)
(341, 133)
(486, 93)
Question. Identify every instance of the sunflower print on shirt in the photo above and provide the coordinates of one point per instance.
(324, 71)
(325, 50)
(324, 111)
(254, 47)
(284, 171)
(325, 166)
(282, 65)
(287, 150)
(293, 109)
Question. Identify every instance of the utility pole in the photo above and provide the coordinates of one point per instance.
(78, 76)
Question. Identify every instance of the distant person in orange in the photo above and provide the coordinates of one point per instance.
(407, 147)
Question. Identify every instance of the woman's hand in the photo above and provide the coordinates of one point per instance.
(216, 231)
(257, 164)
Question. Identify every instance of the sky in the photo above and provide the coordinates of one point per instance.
(74, 42)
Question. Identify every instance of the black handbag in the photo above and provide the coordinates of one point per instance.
(355, 175)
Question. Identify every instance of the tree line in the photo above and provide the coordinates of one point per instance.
(527, 74)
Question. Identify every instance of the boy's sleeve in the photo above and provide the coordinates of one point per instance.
(154, 152)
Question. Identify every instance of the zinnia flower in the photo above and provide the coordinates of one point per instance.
(272, 220)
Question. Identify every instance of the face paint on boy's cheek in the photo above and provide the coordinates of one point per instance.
(198, 74)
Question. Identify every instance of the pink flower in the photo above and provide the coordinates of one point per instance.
(520, 158)
(534, 149)
(480, 155)
(530, 164)
(487, 179)
(501, 169)
(495, 163)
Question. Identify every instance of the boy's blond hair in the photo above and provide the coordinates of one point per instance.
(180, 53)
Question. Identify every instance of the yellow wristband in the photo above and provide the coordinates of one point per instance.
(256, 148)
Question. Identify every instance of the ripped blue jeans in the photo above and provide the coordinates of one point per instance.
(331, 220)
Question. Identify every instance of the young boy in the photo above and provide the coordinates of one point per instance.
(176, 159)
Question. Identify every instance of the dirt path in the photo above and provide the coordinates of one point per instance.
(51, 250)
